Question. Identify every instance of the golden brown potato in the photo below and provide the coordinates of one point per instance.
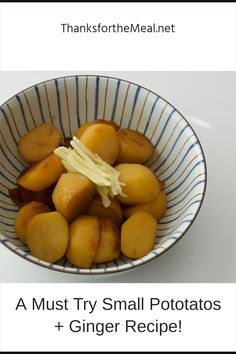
(109, 245)
(25, 214)
(138, 235)
(39, 142)
(84, 126)
(72, 195)
(83, 241)
(21, 196)
(42, 175)
(141, 185)
(47, 236)
(102, 139)
(113, 212)
(134, 147)
(157, 207)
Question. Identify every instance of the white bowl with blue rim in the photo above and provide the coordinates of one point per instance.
(68, 102)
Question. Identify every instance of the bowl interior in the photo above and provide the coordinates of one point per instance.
(71, 101)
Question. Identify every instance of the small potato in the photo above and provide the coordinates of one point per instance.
(109, 245)
(39, 142)
(83, 241)
(157, 207)
(102, 139)
(41, 175)
(134, 147)
(72, 195)
(21, 196)
(141, 185)
(47, 236)
(84, 126)
(25, 214)
(113, 212)
(138, 235)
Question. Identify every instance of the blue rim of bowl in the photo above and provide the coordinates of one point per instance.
(134, 266)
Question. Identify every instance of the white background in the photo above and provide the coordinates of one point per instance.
(207, 252)
(34, 330)
(32, 39)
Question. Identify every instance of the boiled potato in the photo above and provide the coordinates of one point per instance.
(109, 245)
(113, 212)
(102, 139)
(21, 196)
(83, 241)
(84, 126)
(72, 195)
(39, 142)
(157, 207)
(25, 214)
(141, 185)
(47, 236)
(138, 235)
(134, 147)
(42, 175)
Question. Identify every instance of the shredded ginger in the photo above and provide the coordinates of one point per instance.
(81, 159)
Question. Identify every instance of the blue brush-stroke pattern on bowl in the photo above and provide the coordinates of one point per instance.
(68, 102)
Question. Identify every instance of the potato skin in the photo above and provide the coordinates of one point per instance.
(41, 175)
(25, 214)
(47, 236)
(21, 196)
(109, 245)
(138, 235)
(141, 184)
(134, 147)
(102, 139)
(72, 195)
(84, 126)
(113, 212)
(157, 207)
(39, 142)
(83, 241)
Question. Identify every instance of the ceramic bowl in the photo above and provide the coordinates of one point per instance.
(68, 102)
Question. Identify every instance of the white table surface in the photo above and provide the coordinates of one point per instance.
(207, 252)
